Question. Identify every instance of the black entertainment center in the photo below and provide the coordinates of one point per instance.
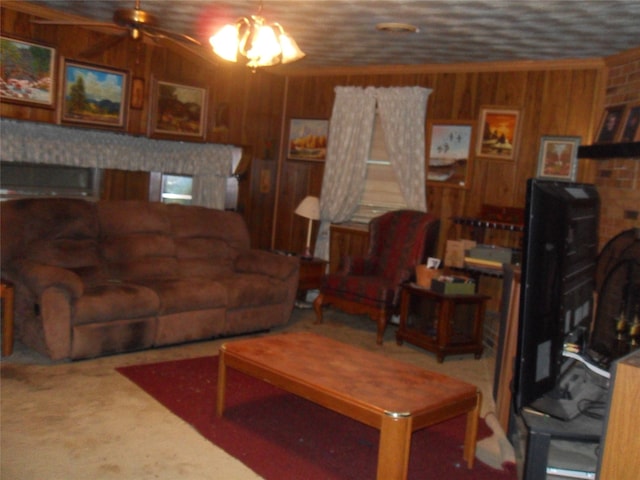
(557, 301)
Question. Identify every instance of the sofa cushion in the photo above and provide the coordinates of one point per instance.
(182, 295)
(247, 290)
(201, 222)
(115, 301)
(136, 241)
(204, 257)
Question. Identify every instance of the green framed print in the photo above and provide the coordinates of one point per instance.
(93, 95)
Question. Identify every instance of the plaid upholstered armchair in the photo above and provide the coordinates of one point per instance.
(398, 241)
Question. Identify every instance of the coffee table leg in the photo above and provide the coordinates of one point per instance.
(471, 434)
(222, 383)
(395, 445)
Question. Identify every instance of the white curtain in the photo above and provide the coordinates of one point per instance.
(209, 164)
(350, 131)
(402, 113)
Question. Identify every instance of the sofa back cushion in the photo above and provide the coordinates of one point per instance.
(207, 240)
(53, 231)
(136, 240)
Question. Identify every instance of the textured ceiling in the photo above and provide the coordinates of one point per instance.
(342, 33)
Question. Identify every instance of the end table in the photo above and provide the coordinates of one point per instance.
(311, 272)
(441, 323)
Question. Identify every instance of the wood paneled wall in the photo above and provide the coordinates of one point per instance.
(554, 98)
(244, 108)
(254, 109)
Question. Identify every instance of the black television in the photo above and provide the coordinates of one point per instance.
(559, 255)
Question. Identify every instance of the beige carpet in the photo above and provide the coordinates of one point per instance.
(83, 420)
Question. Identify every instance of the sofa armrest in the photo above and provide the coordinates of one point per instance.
(267, 263)
(39, 277)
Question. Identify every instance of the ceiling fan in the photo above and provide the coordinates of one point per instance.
(136, 24)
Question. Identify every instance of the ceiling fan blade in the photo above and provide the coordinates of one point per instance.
(182, 48)
(76, 23)
(102, 45)
(161, 32)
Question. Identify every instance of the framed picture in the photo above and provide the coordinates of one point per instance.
(137, 93)
(450, 152)
(558, 158)
(308, 139)
(630, 131)
(610, 124)
(499, 129)
(93, 95)
(28, 72)
(178, 111)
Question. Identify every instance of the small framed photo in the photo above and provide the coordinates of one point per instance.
(178, 111)
(630, 131)
(450, 152)
(610, 124)
(558, 158)
(27, 71)
(137, 93)
(499, 130)
(93, 95)
(308, 139)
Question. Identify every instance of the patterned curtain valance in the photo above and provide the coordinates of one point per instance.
(46, 143)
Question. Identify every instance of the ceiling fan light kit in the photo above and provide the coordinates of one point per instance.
(260, 43)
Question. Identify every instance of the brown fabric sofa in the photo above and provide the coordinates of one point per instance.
(96, 278)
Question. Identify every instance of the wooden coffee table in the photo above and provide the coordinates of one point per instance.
(395, 397)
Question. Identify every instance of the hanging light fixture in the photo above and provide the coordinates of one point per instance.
(262, 44)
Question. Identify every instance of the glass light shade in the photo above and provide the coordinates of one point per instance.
(260, 43)
(290, 50)
(264, 49)
(225, 43)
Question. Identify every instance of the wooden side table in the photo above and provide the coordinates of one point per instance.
(6, 295)
(311, 272)
(443, 324)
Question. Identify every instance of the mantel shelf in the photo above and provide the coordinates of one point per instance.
(610, 150)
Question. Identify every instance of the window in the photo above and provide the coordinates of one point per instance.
(382, 191)
(39, 180)
(176, 189)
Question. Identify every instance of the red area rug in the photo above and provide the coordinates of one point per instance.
(281, 436)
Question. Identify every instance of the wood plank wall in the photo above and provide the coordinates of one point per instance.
(554, 98)
(253, 109)
(244, 108)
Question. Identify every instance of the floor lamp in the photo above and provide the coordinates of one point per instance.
(309, 208)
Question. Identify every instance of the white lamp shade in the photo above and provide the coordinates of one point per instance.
(309, 208)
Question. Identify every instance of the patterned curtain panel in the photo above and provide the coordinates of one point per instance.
(402, 112)
(350, 130)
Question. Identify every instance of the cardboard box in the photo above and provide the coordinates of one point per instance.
(455, 252)
(425, 275)
(453, 288)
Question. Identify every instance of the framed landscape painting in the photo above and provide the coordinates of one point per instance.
(178, 111)
(93, 95)
(450, 152)
(308, 139)
(27, 72)
(558, 158)
(499, 128)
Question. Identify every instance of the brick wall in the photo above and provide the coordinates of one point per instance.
(618, 180)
